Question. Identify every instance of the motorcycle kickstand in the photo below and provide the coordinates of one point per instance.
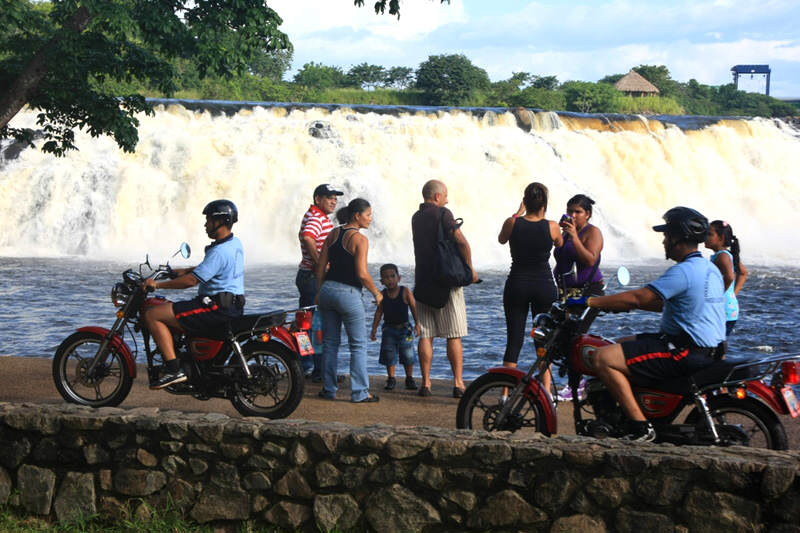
(242, 361)
(702, 405)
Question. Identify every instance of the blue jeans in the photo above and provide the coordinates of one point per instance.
(397, 343)
(340, 304)
(306, 282)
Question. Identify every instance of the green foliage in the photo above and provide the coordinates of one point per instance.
(659, 76)
(366, 76)
(319, 76)
(358, 96)
(611, 79)
(271, 64)
(646, 105)
(399, 77)
(587, 97)
(380, 6)
(539, 98)
(83, 45)
(451, 80)
(549, 83)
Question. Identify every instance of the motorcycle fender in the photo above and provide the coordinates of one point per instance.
(283, 336)
(764, 393)
(118, 344)
(537, 391)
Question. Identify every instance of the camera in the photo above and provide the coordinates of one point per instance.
(565, 218)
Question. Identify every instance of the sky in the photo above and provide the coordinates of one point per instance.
(571, 39)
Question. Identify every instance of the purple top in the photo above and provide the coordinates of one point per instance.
(566, 256)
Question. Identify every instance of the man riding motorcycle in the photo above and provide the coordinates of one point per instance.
(220, 296)
(690, 295)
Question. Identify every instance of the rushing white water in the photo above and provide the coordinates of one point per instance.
(102, 203)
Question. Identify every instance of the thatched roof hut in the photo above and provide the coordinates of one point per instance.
(634, 84)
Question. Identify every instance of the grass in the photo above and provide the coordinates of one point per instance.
(647, 105)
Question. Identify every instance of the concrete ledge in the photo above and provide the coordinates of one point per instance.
(63, 461)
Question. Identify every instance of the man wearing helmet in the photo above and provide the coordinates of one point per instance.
(690, 297)
(220, 296)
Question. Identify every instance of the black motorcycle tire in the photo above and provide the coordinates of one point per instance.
(281, 378)
(472, 396)
(114, 372)
(766, 421)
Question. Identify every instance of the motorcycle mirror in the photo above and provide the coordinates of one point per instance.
(623, 276)
(186, 250)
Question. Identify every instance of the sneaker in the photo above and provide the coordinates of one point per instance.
(410, 383)
(168, 379)
(390, 383)
(424, 391)
(641, 432)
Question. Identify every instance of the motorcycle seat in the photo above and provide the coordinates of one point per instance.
(714, 373)
(257, 323)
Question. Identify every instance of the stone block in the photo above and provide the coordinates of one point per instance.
(209, 433)
(336, 512)
(47, 450)
(146, 458)
(94, 454)
(133, 482)
(298, 454)
(170, 446)
(578, 522)
(36, 486)
(5, 486)
(76, 497)
(777, 479)
(464, 499)
(289, 515)
(608, 492)
(404, 447)
(429, 476)
(397, 509)
(235, 450)
(294, 485)
(505, 509)
(731, 513)
(554, 489)
(216, 503)
(198, 466)
(226, 476)
(665, 488)
(631, 521)
(13, 453)
(327, 475)
(257, 481)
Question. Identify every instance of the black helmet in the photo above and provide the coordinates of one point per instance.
(224, 209)
(684, 223)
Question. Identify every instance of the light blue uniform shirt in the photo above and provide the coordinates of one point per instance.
(694, 300)
(222, 269)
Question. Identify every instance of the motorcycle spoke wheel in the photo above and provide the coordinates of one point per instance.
(744, 422)
(275, 386)
(482, 404)
(107, 385)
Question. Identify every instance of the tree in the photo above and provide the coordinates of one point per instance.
(539, 98)
(271, 64)
(366, 75)
(587, 97)
(450, 79)
(544, 82)
(399, 77)
(56, 57)
(611, 79)
(319, 76)
(659, 76)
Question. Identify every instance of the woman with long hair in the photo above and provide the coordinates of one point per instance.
(725, 246)
(583, 243)
(341, 273)
(530, 285)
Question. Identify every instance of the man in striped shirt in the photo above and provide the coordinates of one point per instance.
(314, 228)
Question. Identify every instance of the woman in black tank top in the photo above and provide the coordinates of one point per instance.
(344, 255)
(530, 283)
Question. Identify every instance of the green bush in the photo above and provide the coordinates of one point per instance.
(587, 97)
(539, 98)
(647, 105)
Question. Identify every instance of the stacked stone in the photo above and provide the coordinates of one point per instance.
(68, 461)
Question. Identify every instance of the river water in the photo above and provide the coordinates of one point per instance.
(46, 299)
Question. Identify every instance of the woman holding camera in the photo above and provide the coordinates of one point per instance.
(530, 284)
(583, 243)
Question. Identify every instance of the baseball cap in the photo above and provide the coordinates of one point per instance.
(326, 190)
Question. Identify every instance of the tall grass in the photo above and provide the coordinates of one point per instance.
(647, 105)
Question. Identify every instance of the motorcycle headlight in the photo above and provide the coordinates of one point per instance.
(119, 294)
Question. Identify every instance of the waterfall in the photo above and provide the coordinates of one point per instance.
(101, 203)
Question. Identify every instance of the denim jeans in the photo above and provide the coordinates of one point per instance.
(340, 304)
(306, 282)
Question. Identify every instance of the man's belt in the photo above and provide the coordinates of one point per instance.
(227, 300)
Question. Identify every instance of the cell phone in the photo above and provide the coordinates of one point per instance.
(565, 218)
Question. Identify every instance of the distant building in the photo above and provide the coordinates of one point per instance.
(634, 84)
(753, 70)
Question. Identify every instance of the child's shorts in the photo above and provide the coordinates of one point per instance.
(397, 342)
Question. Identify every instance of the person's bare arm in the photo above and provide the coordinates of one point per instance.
(181, 282)
(408, 297)
(555, 234)
(741, 277)
(725, 266)
(375, 321)
(310, 246)
(360, 247)
(508, 225)
(589, 247)
(466, 253)
(642, 298)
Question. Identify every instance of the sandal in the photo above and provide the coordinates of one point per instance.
(369, 399)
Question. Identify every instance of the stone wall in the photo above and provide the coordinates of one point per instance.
(61, 461)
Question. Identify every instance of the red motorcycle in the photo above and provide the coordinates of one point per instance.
(252, 360)
(728, 403)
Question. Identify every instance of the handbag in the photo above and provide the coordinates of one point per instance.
(450, 269)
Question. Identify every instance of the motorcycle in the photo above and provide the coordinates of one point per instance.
(728, 403)
(251, 360)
